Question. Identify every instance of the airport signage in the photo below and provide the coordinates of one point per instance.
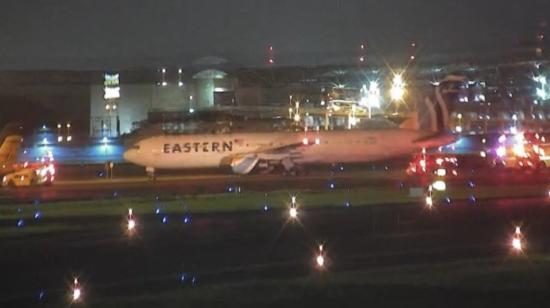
(111, 80)
(112, 93)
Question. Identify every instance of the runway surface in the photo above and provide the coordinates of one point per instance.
(137, 186)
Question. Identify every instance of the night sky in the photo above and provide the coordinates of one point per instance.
(42, 34)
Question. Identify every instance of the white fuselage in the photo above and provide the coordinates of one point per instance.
(215, 150)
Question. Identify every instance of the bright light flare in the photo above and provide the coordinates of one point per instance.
(441, 172)
(76, 293)
(516, 244)
(429, 201)
(517, 240)
(423, 165)
(501, 151)
(131, 225)
(320, 259)
(397, 91)
(519, 150)
(293, 212)
(439, 185)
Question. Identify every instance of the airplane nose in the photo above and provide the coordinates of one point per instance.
(129, 155)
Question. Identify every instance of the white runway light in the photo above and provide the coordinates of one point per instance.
(131, 220)
(293, 213)
(516, 244)
(131, 224)
(517, 240)
(76, 292)
(320, 259)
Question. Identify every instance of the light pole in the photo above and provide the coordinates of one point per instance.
(297, 117)
(69, 137)
(59, 137)
(191, 109)
(290, 107)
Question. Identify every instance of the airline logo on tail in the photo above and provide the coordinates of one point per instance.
(9, 151)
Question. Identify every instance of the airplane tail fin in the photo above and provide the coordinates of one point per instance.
(433, 111)
(11, 143)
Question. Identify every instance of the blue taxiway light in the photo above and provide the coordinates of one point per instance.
(186, 219)
(184, 278)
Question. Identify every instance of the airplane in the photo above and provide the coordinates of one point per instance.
(247, 151)
(17, 175)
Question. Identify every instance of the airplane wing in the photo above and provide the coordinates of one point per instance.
(245, 163)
